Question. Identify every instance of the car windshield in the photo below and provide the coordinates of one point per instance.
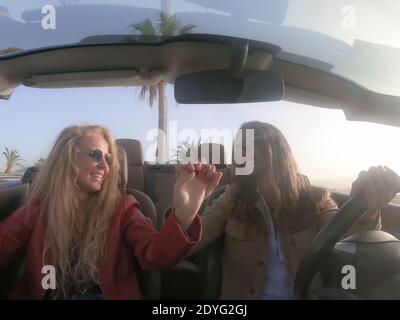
(357, 40)
(330, 150)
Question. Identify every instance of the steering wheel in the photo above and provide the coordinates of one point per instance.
(309, 266)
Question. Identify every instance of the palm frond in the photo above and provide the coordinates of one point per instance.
(169, 25)
(145, 29)
(185, 151)
(142, 93)
(187, 28)
(152, 92)
(6, 153)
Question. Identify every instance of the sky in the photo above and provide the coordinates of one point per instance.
(329, 149)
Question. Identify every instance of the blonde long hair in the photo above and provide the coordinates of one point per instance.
(76, 253)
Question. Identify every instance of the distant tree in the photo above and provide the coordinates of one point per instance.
(13, 159)
(187, 152)
(168, 26)
(4, 52)
(40, 162)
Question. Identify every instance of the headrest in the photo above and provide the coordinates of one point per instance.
(209, 151)
(30, 174)
(133, 149)
(123, 169)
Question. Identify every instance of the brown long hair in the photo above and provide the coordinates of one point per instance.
(291, 192)
(76, 253)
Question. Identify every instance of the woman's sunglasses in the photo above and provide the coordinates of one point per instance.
(98, 154)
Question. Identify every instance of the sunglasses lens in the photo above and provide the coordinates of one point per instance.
(109, 159)
(97, 154)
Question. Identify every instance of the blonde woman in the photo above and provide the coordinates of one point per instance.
(78, 222)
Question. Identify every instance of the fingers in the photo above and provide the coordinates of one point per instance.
(391, 181)
(394, 180)
(215, 179)
(210, 172)
(205, 172)
(184, 173)
(187, 168)
(213, 182)
(198, 168)
(201, 168)
(357, 184)
(378, 191)
(379, 185)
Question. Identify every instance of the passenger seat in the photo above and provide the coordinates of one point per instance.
(149, 281)
(135, 165)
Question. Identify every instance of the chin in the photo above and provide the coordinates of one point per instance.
(92, 188)
(96, 189)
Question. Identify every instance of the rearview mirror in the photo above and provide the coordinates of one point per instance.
(221, 86)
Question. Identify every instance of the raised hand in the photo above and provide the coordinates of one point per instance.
(194, 183)
(379, 185)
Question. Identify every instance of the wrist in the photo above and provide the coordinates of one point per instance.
(183, 220)
(370, 216)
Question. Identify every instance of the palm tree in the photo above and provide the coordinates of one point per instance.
(168, 26)
(187, 152)
(12, 158)
(7, 51)
(40, 162)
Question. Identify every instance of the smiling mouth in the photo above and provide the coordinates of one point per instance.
(97, 176)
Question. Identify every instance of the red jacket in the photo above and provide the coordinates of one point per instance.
(129, 230)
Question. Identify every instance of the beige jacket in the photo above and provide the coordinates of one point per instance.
(246, 250)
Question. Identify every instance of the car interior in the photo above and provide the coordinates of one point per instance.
(200, 65)
(197, 277)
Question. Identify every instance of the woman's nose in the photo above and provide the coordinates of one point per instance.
(102, 163)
